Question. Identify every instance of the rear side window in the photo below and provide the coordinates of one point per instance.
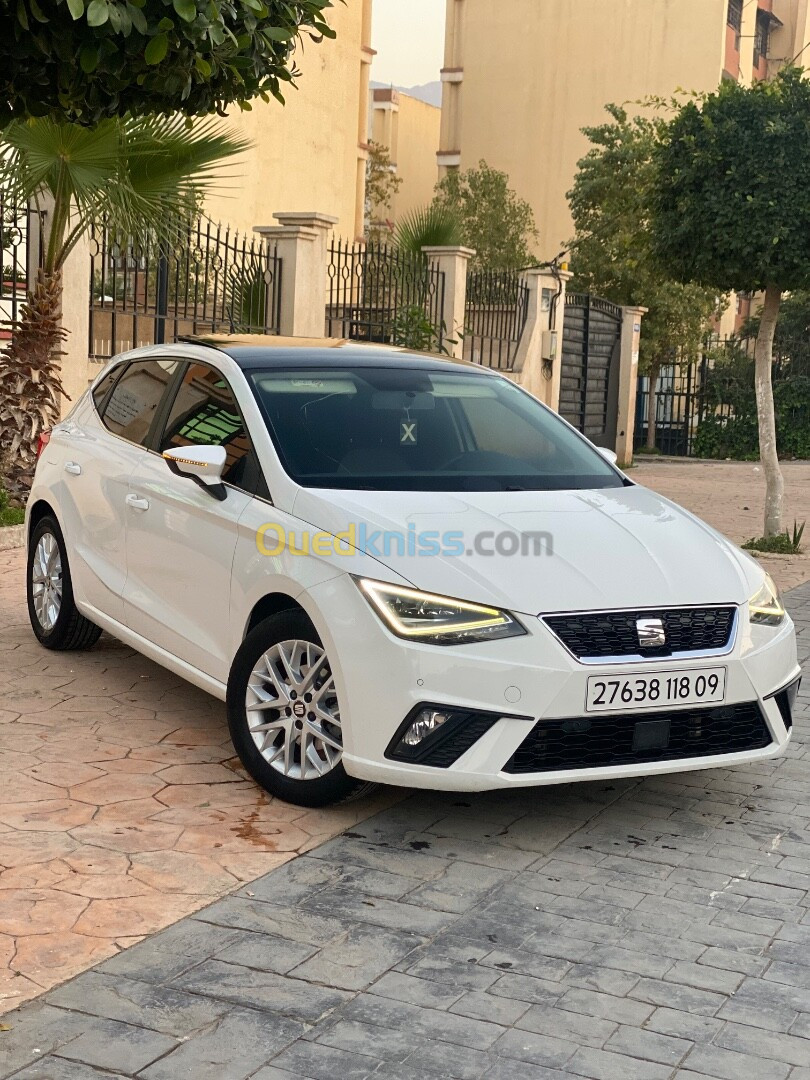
(205, 413)
(134, 401)
(100, 389)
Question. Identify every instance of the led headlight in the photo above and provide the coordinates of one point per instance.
(410, 613)
(765, 607)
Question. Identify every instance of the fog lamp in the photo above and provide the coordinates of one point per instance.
(427, 721)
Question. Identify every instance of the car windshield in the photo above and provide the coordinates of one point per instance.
(412, 429)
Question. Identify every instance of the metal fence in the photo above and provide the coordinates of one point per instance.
(679, 408)
(708, 408)
(378, 293)
(21, 255)
(495, 317)
(207, 280)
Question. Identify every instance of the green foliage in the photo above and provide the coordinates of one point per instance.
(494, 220)
(729, 428)
(428, 226)
(382, 183)
(413, 328)
(784, 543)
(612, 252)
(732, 202)
(9, 515)
(88, 60)
(142, 176)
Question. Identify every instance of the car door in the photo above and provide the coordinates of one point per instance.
(181, 539)
(99, 447)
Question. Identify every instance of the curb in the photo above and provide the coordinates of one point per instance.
(12, 536)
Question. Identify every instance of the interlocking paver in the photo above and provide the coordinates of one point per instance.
(663, 931)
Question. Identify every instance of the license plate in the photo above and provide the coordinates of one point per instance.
(656, 690)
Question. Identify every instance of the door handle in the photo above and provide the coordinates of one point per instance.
(73, 467)
(137, 503)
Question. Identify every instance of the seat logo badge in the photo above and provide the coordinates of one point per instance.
(651, 633)
(299, 709)
(407, 433)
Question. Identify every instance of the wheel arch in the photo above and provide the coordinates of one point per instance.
(271, 604)
(37, 511)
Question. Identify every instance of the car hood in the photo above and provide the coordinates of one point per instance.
(609, 548)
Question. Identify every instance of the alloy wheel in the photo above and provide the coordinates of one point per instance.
(292, 710)
(46, 581)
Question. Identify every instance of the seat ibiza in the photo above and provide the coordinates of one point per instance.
(399, 568)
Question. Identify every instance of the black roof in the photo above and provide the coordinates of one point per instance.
(304, 353)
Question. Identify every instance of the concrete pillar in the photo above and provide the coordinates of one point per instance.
(77, 368)
(453, 262)
(539, 357)
(302, 241)
(628, 382)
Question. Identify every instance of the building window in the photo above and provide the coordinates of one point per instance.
(734, 18)
(761, 37)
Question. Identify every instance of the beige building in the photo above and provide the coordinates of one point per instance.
(410, 129)
(311, 153)
(522, 77)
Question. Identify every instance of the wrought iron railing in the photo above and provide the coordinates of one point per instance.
(379, 293)
(21, 254)
(495, 317)
(207, 280)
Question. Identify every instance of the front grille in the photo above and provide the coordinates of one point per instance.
(613, 633)
(599, 741)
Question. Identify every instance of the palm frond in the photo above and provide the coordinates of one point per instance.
(428, 226)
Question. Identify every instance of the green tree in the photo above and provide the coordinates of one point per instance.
(494, 220)
(382, 184)
(87, 60)
(612, 254)
(732, 211)
(142, 178)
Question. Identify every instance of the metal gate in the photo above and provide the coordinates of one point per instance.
(589, 385)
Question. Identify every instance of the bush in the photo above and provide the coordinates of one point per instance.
(9, 515)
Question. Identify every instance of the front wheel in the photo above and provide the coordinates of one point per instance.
(284, 716)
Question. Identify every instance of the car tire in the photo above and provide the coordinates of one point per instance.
(55, 619)
(272, 726)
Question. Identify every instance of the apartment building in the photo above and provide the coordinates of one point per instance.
(410, 129)
(523, 77)
(309, 154)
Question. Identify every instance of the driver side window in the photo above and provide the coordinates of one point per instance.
(205, 413)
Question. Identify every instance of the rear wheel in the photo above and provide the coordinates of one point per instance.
(284, 716)
(55, 619)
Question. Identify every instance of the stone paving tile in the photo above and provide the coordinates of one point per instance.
(653, 928)
(122, 807)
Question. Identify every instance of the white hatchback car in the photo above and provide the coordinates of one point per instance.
(399, 568)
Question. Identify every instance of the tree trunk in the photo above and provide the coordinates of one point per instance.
(652, 406)
(30, 386)
(774, 483)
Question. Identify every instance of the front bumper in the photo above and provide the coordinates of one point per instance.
(381, 678)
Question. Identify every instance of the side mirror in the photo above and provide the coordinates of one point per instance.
(609, 455)
(203, 464)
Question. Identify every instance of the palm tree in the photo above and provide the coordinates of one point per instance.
(428, 226)
(138, 177)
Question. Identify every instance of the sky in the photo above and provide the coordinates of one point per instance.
(409, 38)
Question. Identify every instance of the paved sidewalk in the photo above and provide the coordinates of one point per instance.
(650, 929)
(122, 805)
